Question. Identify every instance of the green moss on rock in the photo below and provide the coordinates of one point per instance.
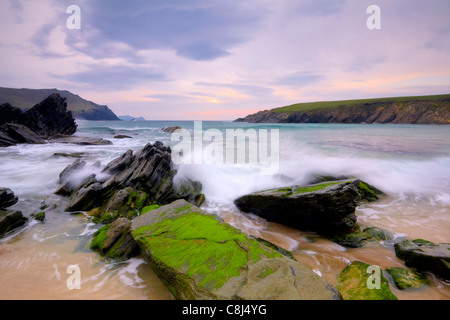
(198, 256)
(407, 279)
(355, 284)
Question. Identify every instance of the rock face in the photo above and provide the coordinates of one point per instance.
(354, 283)
(8, 113)
(326, 207)
(128, 184)
(46, 119)
(170, 129)
(425, 255)
(198, 256)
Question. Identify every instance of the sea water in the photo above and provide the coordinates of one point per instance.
(410, 163)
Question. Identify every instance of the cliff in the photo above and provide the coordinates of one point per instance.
(24, 99)
(405, 110)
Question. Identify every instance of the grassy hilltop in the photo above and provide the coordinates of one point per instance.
(415, 110)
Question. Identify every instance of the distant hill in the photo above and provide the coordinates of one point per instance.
(407, 110)
(81, 108)
(131, 118)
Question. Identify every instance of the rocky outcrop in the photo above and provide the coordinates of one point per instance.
(198, 256)
(413, 110)
(8, 113)
(425, 255)
(326, 207)
(354, 283)
(359, 236)
(127, 184)
(44, 120)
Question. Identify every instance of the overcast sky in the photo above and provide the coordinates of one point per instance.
(220, 60)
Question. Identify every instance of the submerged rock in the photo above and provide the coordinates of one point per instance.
(405, 279)
(198, 256)
(170, 129)
(359, 237)
(83, 141)
(425, 255)
(354, 283)
(7, 198)
(10, 220)
(326, 207)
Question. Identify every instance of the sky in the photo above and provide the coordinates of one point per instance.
(224, 59)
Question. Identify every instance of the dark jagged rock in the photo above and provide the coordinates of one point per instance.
(7, 198)
(135, 181)
(50, 117)
(326, 207)
(425, 255)
(10, 220)
(46, 119)
(12, 134)
(8, 113)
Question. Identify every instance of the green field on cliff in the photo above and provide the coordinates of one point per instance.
(436, 100)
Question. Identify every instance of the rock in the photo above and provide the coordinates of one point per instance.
(14, 133)
(10, 220)
(122, 136)
(8, 113)
(358, 238)
(135, 181)
(49, 117)
(407, 279)
(115, 241)
(354, 283)
(425, 255)
(39, 216)
(83, 141)
(69, 155)
(46, 119)
(326, 207)
(170, 129)
(7, 198)
(198, 256)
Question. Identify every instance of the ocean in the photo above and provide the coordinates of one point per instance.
(410, 163)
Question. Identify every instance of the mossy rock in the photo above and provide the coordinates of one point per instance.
(425, 255)
(359, 237)
(368, 192)
(149, 208)
(198, 256)
(39, 216)
(407, 279)
(115, 241)
(356, 282)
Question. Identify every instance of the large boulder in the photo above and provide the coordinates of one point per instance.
(7, 198)
(10, 220)
(198, 256)
(326, 207)
(128, 184)
(12, 134)
(425, 255)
